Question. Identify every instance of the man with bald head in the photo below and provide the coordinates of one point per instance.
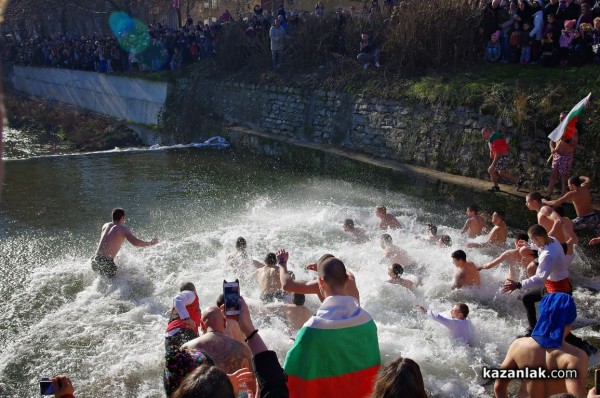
(336, 353)
(229, 354)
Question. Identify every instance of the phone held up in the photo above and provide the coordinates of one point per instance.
(231, 293)
(46, 387)
(597, 374)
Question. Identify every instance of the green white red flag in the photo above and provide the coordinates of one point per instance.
(566, 128)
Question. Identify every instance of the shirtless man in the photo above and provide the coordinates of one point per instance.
(475, 224)
(562, 159)
(229, 354)
(433, 237)
(547, 349)
(579, 195)
(514, 257)
(547, 218)
(111, 238)
(569, 231)
(387, 220)
(289, 284)
(360, 236)
(394, 254)
(395, 272)
(467, 273)
(498, 234)
(295, 314)
(268, 280)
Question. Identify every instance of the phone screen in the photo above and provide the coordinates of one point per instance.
(46, 387)
(231, 293)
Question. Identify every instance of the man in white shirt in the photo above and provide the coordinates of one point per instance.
(185, 317)
(459, 326)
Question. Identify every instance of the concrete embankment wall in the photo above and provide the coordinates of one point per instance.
(134, 100)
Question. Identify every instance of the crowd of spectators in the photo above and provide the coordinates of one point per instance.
(561, 32)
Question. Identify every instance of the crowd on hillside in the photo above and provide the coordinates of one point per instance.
(562, 32)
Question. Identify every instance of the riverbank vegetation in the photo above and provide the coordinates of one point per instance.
(65, 127)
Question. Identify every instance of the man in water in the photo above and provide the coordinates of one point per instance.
(241, 256)
(475, 224)
(387, 220)
(547, 349)
(185, 317)
(112, 237)
(579, 194)
(295, 314)
(547, 218)
(360, 236)
(395, 272)
(467, 273)
(498, 234)
(517, 258)
(289, 284)
(268, 280)
(394, 254)
(433, 237)
(460, 327)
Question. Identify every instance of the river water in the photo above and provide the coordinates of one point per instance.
(59, 317)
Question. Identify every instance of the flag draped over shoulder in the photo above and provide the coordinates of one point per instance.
(336, 353)
(566, 128)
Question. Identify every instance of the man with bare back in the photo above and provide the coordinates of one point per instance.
(394, 254)
(475, 224)
(467, 273)
(387, 219)
(498, 234)
(268, 280)
(112, 236)
(547, 218)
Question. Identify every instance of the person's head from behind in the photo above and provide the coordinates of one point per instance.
(118, 215)
(401, 378)
(271, 259)
(205, 381)
(189, 286)
(240, 244)
(380, 210)
(298, 299)
(348, 224)
(445, 241)
(486, 132)
(431, 230)
(459, 256)
(538, 235)
(395, 270)
(332, 275)
(521, 236)
(385, 241)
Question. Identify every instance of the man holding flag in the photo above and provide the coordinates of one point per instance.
(336, 353)
(563, 141)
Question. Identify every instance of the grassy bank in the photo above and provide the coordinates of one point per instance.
(65, 126)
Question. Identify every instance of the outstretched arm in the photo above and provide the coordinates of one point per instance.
(565, 198)
(288, 283)
(138, 242)
(495, 262)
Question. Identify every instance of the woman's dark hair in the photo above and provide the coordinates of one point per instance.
(205, 381)
(401, 378)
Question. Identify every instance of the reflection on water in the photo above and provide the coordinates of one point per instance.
(58, 317)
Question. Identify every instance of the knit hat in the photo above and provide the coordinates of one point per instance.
(557, 310)
(496, 35)
(570, 24)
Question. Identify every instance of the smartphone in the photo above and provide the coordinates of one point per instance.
(231, 293)
(46, 387)
(597, 373)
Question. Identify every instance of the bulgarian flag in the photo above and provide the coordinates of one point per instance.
(335, 354)
(566, 128)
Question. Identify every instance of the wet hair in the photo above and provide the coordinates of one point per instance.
(501, 214)
(240, 243)
(562, 395)
(271, 259)
(560, 210)
(397, 269)
(220, 300)
(538, 231)
(460, 255)
(432, 228)
(445, 240)
(401, 378)
(333, 271)
(473, 207)
(187, 286)
(117, 214)
(575, 180)
(463, 309)
(535, 196)
(349, 223)
(298, 299)
(205, 381)
(522, 236)
(386, 238)
(381, 207)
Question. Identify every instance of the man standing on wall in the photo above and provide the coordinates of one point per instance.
(499, 152)
(277, 35)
